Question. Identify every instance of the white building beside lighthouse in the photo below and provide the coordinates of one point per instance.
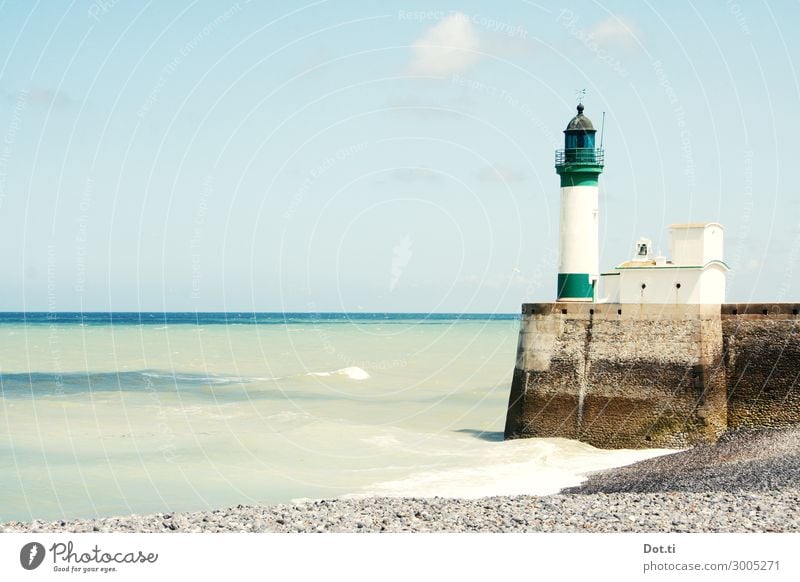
(694, 273)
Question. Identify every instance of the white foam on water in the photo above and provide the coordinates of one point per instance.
(352, 372)
(287, 416)
(520, 467)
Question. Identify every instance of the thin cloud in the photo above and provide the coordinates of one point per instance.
(615, 30)
(38, 97)
(409, 175)
(501, 173)
(447, 48)
(47, 97)
(427, 107)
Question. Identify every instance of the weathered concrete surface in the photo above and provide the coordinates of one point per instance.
(634, 376)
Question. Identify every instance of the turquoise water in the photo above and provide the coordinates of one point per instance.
(136, 413)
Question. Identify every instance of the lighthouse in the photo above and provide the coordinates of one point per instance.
(648, 353)
(579, 165)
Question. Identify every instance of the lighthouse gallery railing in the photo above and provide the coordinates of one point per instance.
(589, 156)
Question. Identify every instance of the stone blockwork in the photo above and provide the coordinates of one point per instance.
(762, 360)
(633, 376)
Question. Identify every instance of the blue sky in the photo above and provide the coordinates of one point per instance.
(383, 156)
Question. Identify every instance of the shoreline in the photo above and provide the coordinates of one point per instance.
(561, 513)
(747, 482)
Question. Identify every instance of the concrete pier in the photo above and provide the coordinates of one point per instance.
(649, 375)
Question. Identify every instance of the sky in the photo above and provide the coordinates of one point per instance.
(380, 156)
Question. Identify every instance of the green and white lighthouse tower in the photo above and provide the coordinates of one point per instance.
(579, 165)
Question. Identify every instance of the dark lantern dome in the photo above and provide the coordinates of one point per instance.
(580, 122)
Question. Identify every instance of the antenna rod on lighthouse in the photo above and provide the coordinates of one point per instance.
(602, 129)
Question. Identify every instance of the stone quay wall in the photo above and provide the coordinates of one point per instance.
(641, 376)
(762, 363)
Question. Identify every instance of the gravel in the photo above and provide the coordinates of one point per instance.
(763, 460)
(601, 512)
(748, 482)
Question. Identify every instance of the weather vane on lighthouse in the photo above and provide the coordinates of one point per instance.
(579, 95)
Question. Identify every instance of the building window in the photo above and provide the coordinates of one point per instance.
(678, 286)
(643, 286)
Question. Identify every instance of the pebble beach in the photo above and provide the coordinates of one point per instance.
(747, 482)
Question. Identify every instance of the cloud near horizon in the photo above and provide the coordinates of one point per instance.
(451, 46)
(501, 173)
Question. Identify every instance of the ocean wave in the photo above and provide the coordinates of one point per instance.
(201, 378)
(352, 372)
(44, 384)
(49, 384)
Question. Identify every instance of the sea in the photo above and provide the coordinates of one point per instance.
(105, 414)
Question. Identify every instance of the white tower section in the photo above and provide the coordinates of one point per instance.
(578, 244)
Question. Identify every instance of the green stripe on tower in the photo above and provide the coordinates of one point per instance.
(575, 286)
(579, 173)
(578, 180)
